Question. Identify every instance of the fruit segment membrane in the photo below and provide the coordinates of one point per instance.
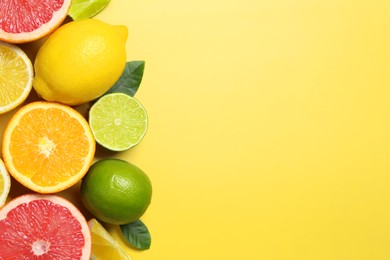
(26, 16)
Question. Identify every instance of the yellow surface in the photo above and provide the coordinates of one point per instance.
(269, 127)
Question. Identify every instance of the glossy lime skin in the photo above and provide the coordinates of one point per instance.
(116, 191)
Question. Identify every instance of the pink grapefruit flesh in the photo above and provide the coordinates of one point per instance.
(36, 226)
(29, 20)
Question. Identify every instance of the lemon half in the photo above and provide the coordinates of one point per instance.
(16, 76)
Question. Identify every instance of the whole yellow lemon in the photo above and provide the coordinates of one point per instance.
(80, 61)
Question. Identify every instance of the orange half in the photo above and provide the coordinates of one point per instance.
(47, 146)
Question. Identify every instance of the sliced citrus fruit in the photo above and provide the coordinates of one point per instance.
(84, 9)
(48, 146)
(118, 121)
(25, 21)
(104, 246)
(16, 76)
(36, 226)
(5, 183)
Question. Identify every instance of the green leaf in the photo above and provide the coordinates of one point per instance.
(84, 9)
(130, 79)
(137, 234)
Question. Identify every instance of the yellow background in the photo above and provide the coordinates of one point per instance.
(269, 132)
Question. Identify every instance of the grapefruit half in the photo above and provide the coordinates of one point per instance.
(36, 226)
(28, 20)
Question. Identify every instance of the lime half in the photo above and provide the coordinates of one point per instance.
(84, 9)
(118, 121)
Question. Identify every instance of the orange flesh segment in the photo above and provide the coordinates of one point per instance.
(44, 153)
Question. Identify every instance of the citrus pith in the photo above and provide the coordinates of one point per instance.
(48, 146)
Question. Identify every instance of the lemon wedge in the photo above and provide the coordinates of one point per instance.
(104, 246)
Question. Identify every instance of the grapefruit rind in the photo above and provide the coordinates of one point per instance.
(9, 158)
(23, 37)
(27, 198)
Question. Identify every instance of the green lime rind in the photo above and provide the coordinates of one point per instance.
(118, 121)
(116, 191)
(84, 9)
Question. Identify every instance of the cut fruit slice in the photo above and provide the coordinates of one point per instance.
(48, 146)
(36, 226)
(104, 246)
(5, 183)
(26, 21)
(16, 76)
(84, 9)
(118, 121)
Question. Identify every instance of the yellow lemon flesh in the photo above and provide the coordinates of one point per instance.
(80, 61)
(104, 246)
(5, 183)
(16, 75)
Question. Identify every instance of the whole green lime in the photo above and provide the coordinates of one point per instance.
(116, 191)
